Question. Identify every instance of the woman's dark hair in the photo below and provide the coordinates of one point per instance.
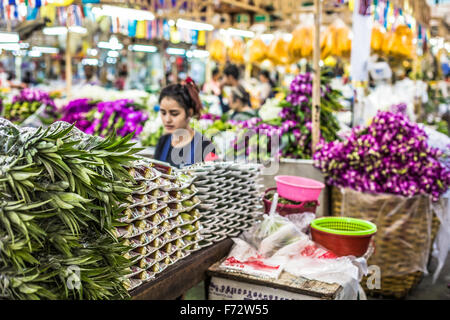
(186, 94)
(215, 71)
(232, 70)
(266, 74)
(239, 93)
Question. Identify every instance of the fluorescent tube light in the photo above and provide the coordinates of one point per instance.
(240, 33)
(54, 31)
(142, 48)
(110, 45)
(45, 49)
(89, 62)
(194, 25)
(78, 29)
(176, 51)
(9, 37)
(92, 52)
(113, 54)
(122, 12)
(10, 46)
(199, 54)
(34, 54)
(58, 31)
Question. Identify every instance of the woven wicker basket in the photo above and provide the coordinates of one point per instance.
(411, 229)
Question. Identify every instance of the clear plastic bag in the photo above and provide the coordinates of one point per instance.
(9, 136)
(302, 220)
(441, 245)
(271, 234)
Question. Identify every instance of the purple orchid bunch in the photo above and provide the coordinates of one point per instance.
(209, 116)
(391, 155)
(301, 90)
(399, 108)
(103, 117)
(34, 95)
(75, 112)
(294, 126)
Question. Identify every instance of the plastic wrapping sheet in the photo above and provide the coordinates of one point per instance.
(245, 258)
(403, 239)
(441, 245)
(276, 244)
(9, 136)
(341, 271)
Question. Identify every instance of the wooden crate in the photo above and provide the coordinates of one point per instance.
(396, 227)
(226, 285)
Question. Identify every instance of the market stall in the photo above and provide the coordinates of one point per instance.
(349, 95)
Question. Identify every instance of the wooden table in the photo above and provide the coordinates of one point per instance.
(309, 289)
(183, 275)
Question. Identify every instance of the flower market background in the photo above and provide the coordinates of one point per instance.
(359, 103)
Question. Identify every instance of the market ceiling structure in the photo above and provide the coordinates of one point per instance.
(279, 14)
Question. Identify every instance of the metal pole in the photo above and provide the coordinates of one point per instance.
(316, 80)
(68, 65)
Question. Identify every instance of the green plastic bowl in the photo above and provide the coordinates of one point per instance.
(344, 226)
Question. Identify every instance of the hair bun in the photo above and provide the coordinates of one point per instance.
(194, 94)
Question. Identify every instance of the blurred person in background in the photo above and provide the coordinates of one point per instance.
(231, 79)
(213, 86)
(239, 105)
(90, 76)
(28, 78)
(3, 77)
(267, 86)
(121, 78)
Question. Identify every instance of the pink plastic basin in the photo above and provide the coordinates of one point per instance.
(298, 188)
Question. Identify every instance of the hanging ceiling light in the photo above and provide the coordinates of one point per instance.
(113, 44)
(89, 62)
(142, 48)
(50, 50)
(176, 51)
(9, 37)
(122, 12)
(194, 25)
(240, 33)
(58, 31)
(199, 54)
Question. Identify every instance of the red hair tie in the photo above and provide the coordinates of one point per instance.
(189, 80)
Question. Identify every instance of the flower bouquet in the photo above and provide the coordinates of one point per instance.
(391, 155)
(28, 102)
(102, 118)
(388, 174)
(293, 124)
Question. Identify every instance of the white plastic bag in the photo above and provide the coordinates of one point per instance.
(245, 258)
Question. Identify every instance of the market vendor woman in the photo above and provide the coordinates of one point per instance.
(181, 145)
